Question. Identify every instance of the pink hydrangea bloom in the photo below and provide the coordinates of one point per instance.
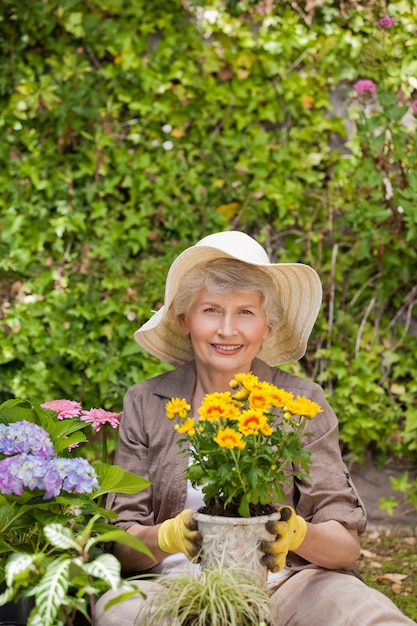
(99, 417)
(64, 408)
(414, 107)
(386, 22)
(365, 86)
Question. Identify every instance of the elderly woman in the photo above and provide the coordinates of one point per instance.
(227, 310)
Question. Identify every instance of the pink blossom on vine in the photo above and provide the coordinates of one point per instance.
(64, 408)
(365, 86)
(414, 107)
(386, 22)
(100, 417)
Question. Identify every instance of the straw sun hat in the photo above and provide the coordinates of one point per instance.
(298, 290)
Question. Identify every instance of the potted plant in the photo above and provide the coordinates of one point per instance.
(218, 595)
(239, 448)
(52, 524)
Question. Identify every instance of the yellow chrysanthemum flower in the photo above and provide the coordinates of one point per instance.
(218, 406)
(229, 438)
(177, 406)
(187, 428)
(248, 380)
(304, 406)
(267, 430)
(280, 397)
(251, 422)
(253, 425)
(242, 394)
(260, 397)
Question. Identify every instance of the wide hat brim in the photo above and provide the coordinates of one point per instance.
(298, 287)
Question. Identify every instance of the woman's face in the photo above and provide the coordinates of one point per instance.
(226, 331)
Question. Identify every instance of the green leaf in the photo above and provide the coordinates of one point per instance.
(401, 483)
(60, 537)
(244, 508)
(6, 596)
(116, 479)
(388, 504)
(121, 536)
(15, 410)
(107, 568)
(52, 589)
(18, 564)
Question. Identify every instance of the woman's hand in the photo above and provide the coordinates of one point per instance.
(290, 531)
(180, 534)
(326, 544)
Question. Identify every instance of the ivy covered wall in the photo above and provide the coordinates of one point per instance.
(130, 129)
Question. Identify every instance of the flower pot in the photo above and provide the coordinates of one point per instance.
(235, 540)
(16, 613)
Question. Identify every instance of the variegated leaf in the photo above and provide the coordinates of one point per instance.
(17, 564)
(51, 590)
(6, 596)
(60, 537)
(107, 568)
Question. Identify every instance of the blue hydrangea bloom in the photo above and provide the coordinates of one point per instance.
(77, 475)
(51, 475)
(25, 437)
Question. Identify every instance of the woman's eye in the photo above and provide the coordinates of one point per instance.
(210, 309)
(246, 312)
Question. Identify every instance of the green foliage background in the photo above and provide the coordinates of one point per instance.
(130, 129)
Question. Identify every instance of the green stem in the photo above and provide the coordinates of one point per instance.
(104, 444)
(236, 461)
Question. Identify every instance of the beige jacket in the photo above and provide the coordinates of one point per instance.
(148, 447)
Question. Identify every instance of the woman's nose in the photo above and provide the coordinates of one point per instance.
(226, 326)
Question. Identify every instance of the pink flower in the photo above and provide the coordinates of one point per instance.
(64, 408)
(386, 22)
(365, 86)
(99, 417)
(414, 107)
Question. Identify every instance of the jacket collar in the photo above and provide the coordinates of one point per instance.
(180, 382)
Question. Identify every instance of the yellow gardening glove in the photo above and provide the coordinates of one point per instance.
(289, 532)
(180, 534)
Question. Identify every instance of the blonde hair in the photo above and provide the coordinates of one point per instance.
(223, 276)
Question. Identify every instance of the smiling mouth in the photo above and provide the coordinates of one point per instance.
(226, 348)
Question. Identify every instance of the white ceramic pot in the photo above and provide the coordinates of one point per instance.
(229, 540)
